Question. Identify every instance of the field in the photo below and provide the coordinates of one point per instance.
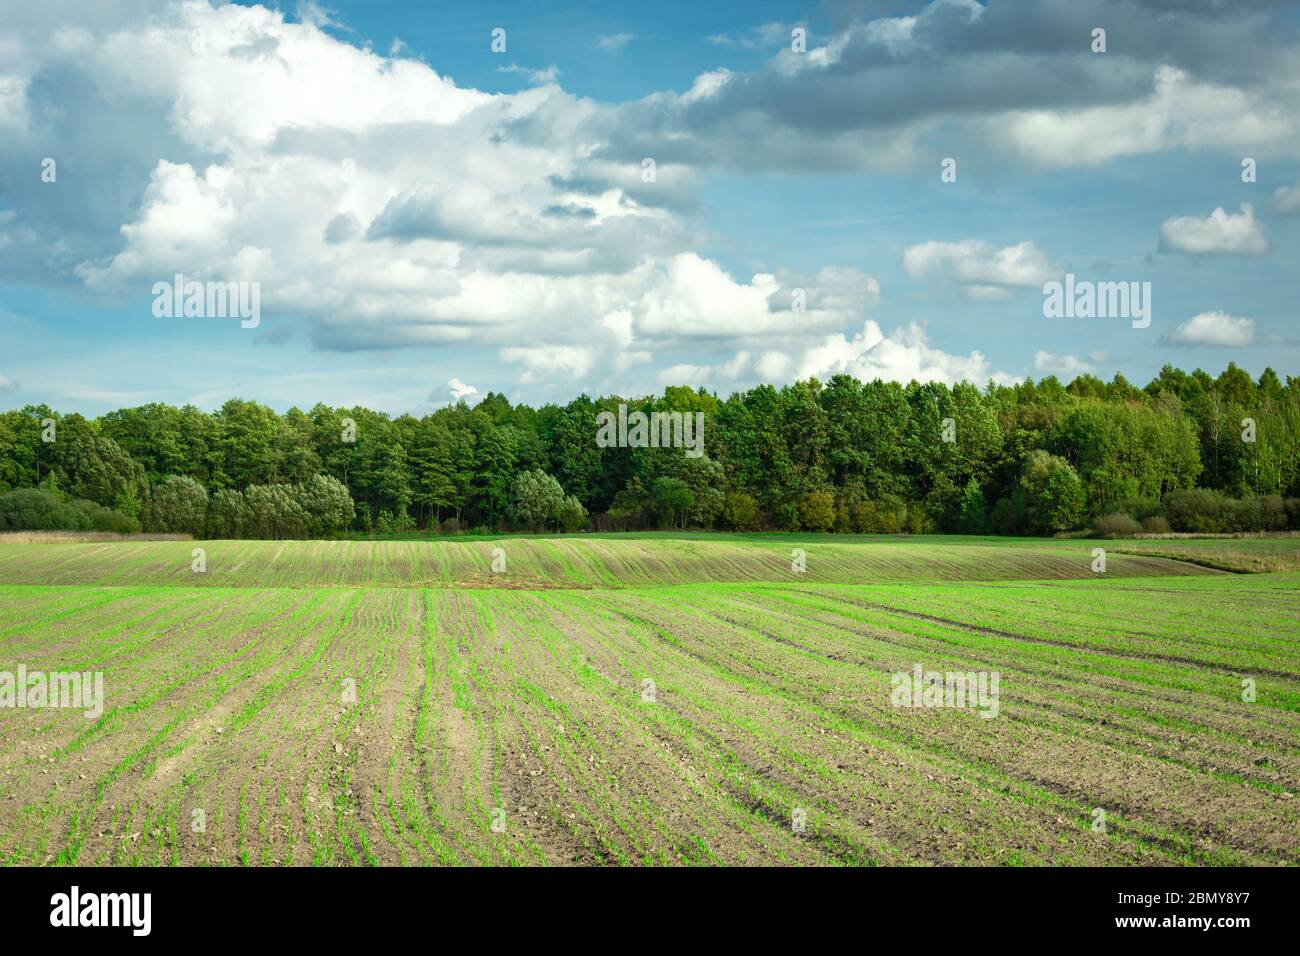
(652, 699)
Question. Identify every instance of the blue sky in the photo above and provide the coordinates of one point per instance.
(426, 218)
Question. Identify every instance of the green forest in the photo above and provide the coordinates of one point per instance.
(1187, 452)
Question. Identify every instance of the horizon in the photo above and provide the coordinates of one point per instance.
(662, 395)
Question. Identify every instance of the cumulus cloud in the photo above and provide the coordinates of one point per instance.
(7, 385)
(435, 214)
(1218, 329)
(460, 391)
(723, 373)
(1286, 200)
(382, 205)
(1063, 366)
(1220, 233)
(696, 298)
(566, 361)
(982, 271)
(903, 355)
(1011, 81)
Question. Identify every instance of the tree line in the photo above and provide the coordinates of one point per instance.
(1189, 451)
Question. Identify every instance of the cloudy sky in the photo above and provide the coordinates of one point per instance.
(630, 195)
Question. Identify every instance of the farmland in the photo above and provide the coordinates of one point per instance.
(655, 699)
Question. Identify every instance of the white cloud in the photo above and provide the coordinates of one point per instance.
(615, 42)
(688, 374)
(1286, 200)
(1220, 233)
(902, 356)
(772, 366)
(460, 390)
(7, 385)
(567, 361)
(1064, 366)
(983, 271)
(384, 206)
(1214, 329)
(434, 214)
(693, 297)
(536, 76)
(767, 35)
(1181, 112)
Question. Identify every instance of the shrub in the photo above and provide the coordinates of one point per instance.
(739, 510)
(1115, 526)
(918, 520)
(274, 512)
(1272, 512)
(328, 505)
(672, 499)
(106, 519)
(864, 517)
(31, 509)
(571, 515)
(395, 523)
(227, 514)
(536, 499)
(817, 511)
(1155, 525)
(1053, 493)
(178, 505)
(1201, 510)
(891, 514)
(974, 515)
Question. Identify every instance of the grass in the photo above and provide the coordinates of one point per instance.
(580, 561)
(772, 693)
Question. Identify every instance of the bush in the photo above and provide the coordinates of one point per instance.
(273, 511)
(177, 506)
(328, 505)
(106, 519)
(739, 510)
(918, 519)
(399, 523)
(1206, 511)
(1272, 513)
(30, 509)
(672, 499)
(1201, 510)
(1052, 492)
(227, 514)
(1139, 509)
(535, 500)
(1155, 525)
(571, 515)
(1115, 526)
(817, 511)
(974, 515)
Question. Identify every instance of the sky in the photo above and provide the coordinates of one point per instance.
(434, 200)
